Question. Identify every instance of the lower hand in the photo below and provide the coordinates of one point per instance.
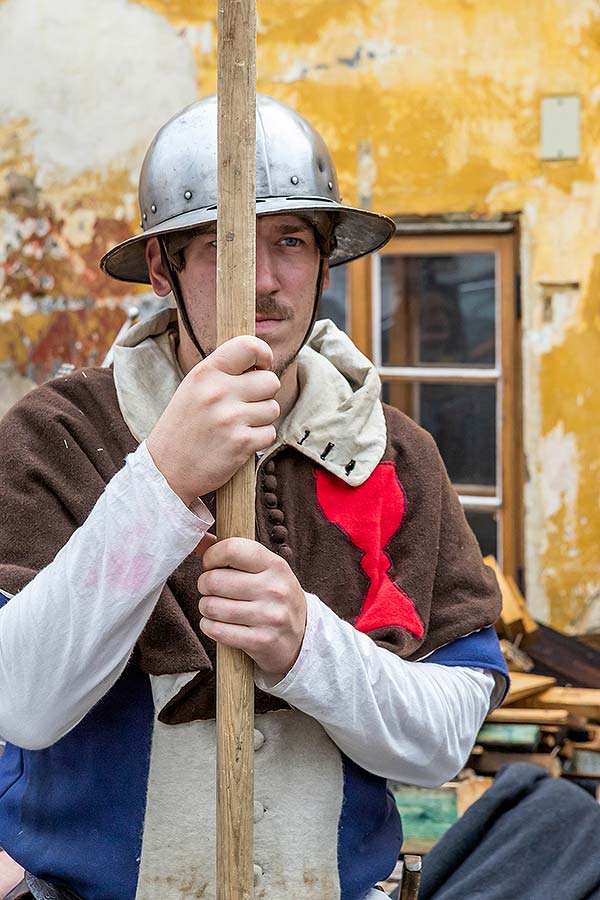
(252, 601)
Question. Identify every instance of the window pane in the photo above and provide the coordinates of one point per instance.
(438, 310)
(462, 420)
(485, 528)
(334, 303)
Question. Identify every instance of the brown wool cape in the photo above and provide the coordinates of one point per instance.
(63, 443)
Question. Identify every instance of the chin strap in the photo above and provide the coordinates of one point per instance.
(178, 294)
(317, 300)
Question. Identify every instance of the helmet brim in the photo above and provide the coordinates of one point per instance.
(357, 233)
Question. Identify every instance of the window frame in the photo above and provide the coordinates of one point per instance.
(363, 275)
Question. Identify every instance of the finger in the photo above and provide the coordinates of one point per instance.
(263, 437)
(238, 553)
(207, 541)
(258, 385)
(240, 637)
(232, 612)
(262, 412)
(231, 583)
(240, 354)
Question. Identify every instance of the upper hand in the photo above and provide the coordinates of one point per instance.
(221, 414)
(252, 601)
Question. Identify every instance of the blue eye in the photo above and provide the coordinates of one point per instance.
(291, 241)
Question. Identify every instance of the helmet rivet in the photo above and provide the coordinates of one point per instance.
(188, 195)
(145, 216)
(330, 185)
(153, 207)
(294, 179)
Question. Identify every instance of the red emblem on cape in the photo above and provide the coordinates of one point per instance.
(370, 514)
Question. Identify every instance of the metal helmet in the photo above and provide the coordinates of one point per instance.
(294, 174)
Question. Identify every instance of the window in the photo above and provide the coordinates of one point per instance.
(437, 315)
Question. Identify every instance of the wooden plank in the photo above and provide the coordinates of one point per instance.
(585, 762)
(509, 432)
(427, 814)
(236, 290)
(469, 791)
(592, 744)
(488, 762)
(529, 623)
(580, 701)
(563, 657)
(515, 737)
(525, 686)
(360, 312)
(411, 877)
(511, 617)
(529, 716)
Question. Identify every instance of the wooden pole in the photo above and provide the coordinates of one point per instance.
(411, 878)
(236, 288)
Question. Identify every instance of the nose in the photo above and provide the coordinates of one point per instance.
(267, 279)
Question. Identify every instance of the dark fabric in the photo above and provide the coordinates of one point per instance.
(44, 890)
(65, 441)
(20, 892)
(530, 837)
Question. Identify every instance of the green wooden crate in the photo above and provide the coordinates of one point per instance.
(426, 813)
(515, 737)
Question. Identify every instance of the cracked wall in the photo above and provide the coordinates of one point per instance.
(428, 108)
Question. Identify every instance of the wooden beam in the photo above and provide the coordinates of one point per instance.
(581, 701)
(517, 715)
(236, 290)
(524, 686)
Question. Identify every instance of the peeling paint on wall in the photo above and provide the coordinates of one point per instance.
(559, 474)
(428, 108)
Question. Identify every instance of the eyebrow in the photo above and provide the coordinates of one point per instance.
(292, 229)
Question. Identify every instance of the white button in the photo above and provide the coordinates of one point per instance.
(259, 739)
(258, 873)
(259, 810)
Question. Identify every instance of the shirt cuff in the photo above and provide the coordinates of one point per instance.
(196, 516)
(285, 685)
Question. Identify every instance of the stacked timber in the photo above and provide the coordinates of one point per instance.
(550, 718)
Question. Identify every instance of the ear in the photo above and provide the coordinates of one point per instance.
(158, 276)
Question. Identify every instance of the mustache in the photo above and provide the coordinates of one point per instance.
(270, 308)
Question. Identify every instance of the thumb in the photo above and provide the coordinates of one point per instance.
(207, 541)
(240, 354)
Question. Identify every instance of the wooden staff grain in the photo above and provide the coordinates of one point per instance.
(236, 280)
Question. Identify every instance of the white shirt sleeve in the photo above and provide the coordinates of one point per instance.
(67, 636)
(406, 721)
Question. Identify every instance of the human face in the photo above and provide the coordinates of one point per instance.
(287, 266)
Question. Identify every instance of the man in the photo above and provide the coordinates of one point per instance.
(115, 592)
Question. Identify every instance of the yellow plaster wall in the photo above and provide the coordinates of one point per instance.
(443, 97)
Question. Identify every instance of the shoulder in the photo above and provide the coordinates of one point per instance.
(76, 409)
(407, 441)
(63, 395)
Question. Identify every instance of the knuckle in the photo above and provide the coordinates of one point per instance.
(227, 417)
(279, 594)
(260, 640)
(245, 440)
(277, 616)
